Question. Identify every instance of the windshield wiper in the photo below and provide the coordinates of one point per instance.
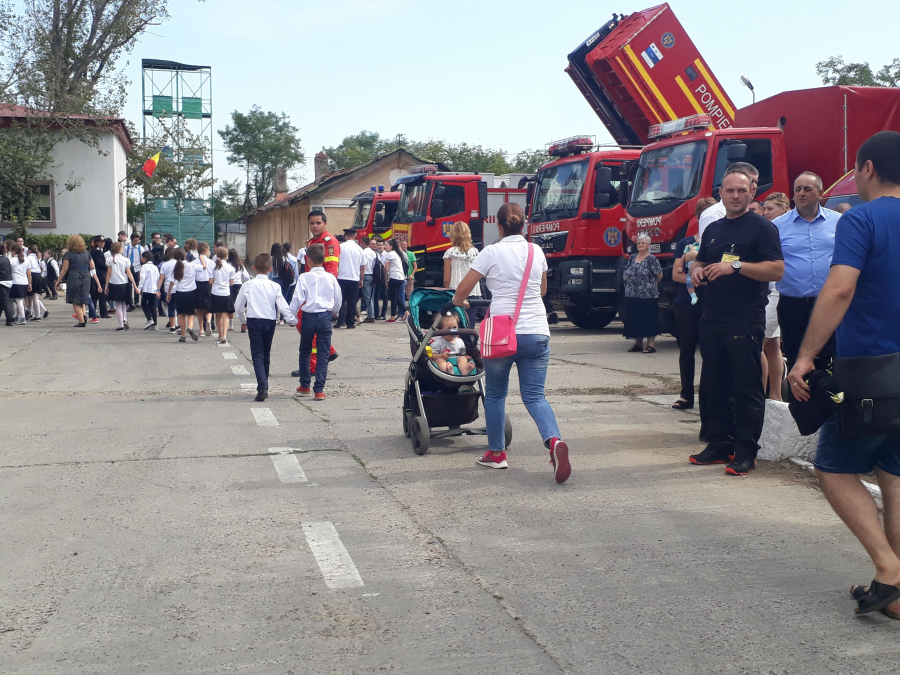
(644, 202)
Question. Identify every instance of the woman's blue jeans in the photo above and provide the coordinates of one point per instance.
(532, 360)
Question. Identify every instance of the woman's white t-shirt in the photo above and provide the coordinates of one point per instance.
(221, 280)
(396, 271)
(460, 263)
(118, 266)
(166, 270)
(189, 280)
(503, 265)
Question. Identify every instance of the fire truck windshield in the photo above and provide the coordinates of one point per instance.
(666, 177)
(362, 215)
(413, 201)
(558, 191)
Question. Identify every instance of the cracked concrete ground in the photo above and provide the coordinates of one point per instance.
(145, 527)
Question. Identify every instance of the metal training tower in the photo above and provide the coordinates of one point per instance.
(177, 98)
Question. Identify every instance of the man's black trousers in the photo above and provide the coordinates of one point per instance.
(793, 317)
(350, 291)
(99, 299)
(732, 369)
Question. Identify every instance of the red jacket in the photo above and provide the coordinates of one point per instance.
(332, 252)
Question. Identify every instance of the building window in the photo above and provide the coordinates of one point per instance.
(43, 206)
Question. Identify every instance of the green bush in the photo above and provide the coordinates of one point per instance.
(55, 243)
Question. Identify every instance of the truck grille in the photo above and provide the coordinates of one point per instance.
(551, 243)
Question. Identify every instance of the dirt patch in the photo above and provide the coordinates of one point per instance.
(788, 472)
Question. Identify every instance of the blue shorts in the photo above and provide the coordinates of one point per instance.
(856, 455)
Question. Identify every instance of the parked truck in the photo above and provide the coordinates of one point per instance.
(648, 84)
(431, 202)
(576, 217)
(375, 211)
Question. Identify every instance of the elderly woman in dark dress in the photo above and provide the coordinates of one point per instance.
(76, 272)
(642, 274)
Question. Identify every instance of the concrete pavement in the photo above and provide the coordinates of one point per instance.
(150, 524)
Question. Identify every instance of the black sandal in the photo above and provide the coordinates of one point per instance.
(681, 404)
(859, 592)
(650, 350)
(877, 597)
(635, 348)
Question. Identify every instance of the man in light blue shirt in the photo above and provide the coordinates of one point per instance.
(807, 242)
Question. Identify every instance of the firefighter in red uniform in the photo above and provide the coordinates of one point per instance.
(320, 235)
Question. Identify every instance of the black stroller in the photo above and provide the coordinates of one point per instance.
(431, 397)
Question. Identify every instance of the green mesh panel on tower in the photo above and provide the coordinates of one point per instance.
(162, 106)
(200, 227)
(192, 108)
(164, 205)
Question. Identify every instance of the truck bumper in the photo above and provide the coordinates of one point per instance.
(592, 281)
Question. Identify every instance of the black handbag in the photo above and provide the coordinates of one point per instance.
(822, 404)
(871, 387)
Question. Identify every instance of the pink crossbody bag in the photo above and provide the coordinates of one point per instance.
(498, 333)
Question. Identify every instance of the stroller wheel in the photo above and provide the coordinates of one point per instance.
(420, 435)
(407, 423)
(507, 432)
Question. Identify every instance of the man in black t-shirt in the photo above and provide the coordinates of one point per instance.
(739, 255)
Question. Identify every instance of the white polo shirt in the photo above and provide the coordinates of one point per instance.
(351, 260)
(317, 291)
(369, 256)
(503, 266)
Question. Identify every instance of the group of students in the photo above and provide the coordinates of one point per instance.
(26, 275)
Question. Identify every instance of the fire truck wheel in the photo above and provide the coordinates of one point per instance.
(586, 317)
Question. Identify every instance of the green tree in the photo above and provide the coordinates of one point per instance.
(835, 71)
(367, 145)
(59, 59)
(261, 142)
(228, 200)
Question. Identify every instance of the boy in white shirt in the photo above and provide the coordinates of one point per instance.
(257, 306)
(148, 289)
(318, 295)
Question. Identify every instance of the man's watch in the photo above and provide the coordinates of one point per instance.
(736, 266)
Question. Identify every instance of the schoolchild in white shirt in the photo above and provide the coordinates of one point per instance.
(184, 282)
(239, 278)
(318, 295)
(38, 310)
(220, 302)
(257, 306)
(165, 275)
(204, 290)
(149, 290)
(119, 283)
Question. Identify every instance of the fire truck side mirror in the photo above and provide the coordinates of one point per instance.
(624, 189)
(379, 207)
(379, 220)
(602, 187)
(736, 151)
(529, 195)
(437, 207)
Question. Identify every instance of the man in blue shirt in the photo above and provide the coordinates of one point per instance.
(807, 242)
(861, 301)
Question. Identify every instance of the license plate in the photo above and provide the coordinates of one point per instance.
(654, 248)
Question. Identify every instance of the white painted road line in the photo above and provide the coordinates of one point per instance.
(239, 370)
(334, 562)
(264, 417)
(287, 465)
(230, 356)
(224, 344)
(248, 385)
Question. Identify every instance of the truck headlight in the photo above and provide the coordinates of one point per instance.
(577, 271)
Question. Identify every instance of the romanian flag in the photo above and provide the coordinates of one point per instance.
(150, 164)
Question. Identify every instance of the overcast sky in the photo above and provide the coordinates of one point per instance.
(485, 71)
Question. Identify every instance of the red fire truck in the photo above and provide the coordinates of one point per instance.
(375, 211)
(431, 201)
(576, 217)
(647, 82)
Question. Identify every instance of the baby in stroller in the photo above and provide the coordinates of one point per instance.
(442, 349)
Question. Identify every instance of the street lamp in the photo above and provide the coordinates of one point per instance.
(747, 83)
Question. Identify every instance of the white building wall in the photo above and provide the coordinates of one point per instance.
(95, 207)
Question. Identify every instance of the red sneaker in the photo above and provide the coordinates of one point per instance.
(393, 319)
(494, 460)
(559, 458)
(303, 390)
(320, 396)
(94, 321)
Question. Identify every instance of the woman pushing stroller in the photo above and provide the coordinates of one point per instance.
(503, 266)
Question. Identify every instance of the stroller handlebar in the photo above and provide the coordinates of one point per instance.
(449, 307)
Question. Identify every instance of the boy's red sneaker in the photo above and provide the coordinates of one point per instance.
(320, 396)
(303, 390)
(559, 458)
